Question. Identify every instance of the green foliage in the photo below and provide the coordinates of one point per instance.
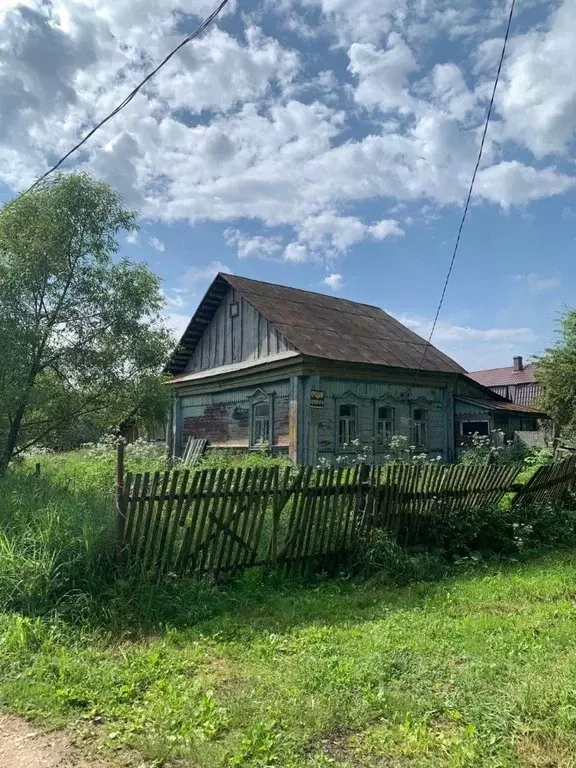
(556, 371)
(214, 459)
(377, 554)
(500, 452)
(81, 339)
(422, 663)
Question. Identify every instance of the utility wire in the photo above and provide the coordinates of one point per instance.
(192, 36)
(471, 188)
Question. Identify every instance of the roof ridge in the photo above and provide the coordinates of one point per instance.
(226, 275)
(502, 368)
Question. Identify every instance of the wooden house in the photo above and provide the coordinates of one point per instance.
(263, 366)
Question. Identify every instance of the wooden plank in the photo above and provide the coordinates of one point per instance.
(176, 520)
(194, 500)
(205, 499)
(148, 512)
(139, 513)
(228, 532)
(264, 502)
(171, 521)
(202, 553)
(132, 507)
(345, 523)
(148, 557)
(308, 519)
(279, 503)
(295, 513)
(247, 517)
(235, 549)
(320, 522)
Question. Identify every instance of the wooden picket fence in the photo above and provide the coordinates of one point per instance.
(221, 520)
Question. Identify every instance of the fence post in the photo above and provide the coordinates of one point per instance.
(363, 477)
(120, 503)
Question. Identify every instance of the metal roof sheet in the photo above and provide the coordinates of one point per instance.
(320, 326)
(495, 377)
(502, 405)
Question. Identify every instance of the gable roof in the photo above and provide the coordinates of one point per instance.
(499, 377)
(317, 325)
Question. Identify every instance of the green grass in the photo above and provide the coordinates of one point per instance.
(479, 670)
(476, 670)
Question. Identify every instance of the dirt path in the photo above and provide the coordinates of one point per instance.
(24, 746)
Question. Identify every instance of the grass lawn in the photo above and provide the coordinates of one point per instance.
(478, 670)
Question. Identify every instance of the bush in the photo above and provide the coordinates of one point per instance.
(499, 530)
(500, 451)
(376, 552)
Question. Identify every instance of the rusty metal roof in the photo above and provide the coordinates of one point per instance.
(503, 405)
(320, 326)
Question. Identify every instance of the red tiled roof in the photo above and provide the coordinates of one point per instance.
(496, 377)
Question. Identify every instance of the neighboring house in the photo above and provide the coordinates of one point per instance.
(517, 382)
(266, 366)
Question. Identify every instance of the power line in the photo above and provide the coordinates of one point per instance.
(192, 36)
(471, 189)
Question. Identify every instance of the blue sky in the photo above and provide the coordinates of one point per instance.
(325, 144)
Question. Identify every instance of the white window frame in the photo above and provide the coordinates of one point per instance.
(261, 398)
(420, 428)
(385, 426)
(346, 422)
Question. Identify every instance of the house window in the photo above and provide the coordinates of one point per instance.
(384, 424)
(420, 428)
(234, 309)
(475, 428)
(346, 423)
(261, 423)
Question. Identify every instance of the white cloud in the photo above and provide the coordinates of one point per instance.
(511, 183)
(361, 20)
(474, 348)
(133, 238)
(335, 281)
(382, 74)
(386, 228)
(297, 254)
(448, 332)
(177, 322)
(157, 244)
(194, 277)
(252, 245)
(537, 96)
(220, 136)
(537, 284)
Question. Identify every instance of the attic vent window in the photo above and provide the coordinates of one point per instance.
(234, 309)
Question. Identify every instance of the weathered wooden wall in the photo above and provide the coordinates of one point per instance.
(368, 396)
(228, 340)
(224, 417)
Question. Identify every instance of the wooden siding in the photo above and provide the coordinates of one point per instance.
(367, 396)
(224, 417)
(228, 340)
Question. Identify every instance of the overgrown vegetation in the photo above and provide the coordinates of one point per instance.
(556, 373)
(415, 658)
(82, 341)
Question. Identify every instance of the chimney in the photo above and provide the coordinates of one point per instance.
(518, 364)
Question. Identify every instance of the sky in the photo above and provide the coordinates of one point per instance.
(323, 144)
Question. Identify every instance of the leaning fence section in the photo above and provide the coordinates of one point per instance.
(549, 483)
(219, 520)
(215, 520)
